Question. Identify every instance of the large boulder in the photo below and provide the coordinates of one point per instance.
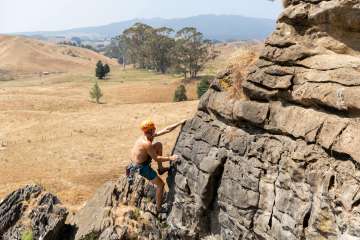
(282, 163)
(119, 210)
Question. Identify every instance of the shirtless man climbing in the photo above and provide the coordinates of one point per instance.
(145, 150)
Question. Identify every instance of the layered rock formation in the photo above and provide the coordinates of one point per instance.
(284, 163)
(32, 210)
(119, 211)
(281, 164)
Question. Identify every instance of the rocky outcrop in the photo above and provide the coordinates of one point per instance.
(119, 211)
(283, 163)
(31, 209)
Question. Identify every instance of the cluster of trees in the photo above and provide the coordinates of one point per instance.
(75, 44)
(180, 92)
(102, 70)
(162, 50)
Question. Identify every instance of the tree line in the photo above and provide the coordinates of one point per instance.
(163, 50)
(75, 44)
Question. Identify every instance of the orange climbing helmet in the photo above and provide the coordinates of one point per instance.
(147, 125)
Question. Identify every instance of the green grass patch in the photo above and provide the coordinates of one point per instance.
(27, 235)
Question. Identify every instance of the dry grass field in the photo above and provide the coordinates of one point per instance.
(25, 56)
(52, 133)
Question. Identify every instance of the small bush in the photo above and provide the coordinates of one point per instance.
(202, 87)
(180, 94)
(106, 69)
(27, 235)
(137, 214)
(100, 70)
(91, 236)
(95, 93)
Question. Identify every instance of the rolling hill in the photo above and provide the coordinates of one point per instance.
(21, 55)
(215, 27)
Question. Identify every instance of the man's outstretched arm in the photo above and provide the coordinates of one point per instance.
(169, 128)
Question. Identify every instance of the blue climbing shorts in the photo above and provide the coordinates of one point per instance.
(147, 172)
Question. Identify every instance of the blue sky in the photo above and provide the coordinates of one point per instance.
(34, 15)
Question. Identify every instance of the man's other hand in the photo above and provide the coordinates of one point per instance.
(174, 157)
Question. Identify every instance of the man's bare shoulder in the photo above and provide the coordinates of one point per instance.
(147, 144)
(144, 143)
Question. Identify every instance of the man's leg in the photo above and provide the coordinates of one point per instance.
(159, 191)
(159, 151)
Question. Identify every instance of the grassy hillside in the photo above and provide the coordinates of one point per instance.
(53, 134)
(19, 56)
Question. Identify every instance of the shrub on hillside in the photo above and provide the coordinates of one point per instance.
(95, 93)
(180, 94)
(202, 87)
(106, 69)
(100, 70)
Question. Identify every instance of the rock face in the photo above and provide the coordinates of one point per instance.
(284, 163)
(281, 164)
(113, 213)
(31, 209)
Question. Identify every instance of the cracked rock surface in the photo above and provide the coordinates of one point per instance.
(31, 209)
(283, 163)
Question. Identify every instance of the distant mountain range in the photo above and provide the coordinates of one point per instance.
(214, 27)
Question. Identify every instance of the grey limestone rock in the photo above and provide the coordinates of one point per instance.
(286, 165)
(31, 209)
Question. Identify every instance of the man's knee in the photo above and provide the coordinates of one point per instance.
(159, 183)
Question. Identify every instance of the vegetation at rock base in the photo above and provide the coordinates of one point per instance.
(136, 214)
(91, 236)
(180, 94)
(202, 87)
(27, 235)
(96, 93)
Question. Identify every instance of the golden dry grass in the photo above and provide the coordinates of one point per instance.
(234, 53)
(245, 57)
(52, 134)
(239, 64)
(21, 56)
